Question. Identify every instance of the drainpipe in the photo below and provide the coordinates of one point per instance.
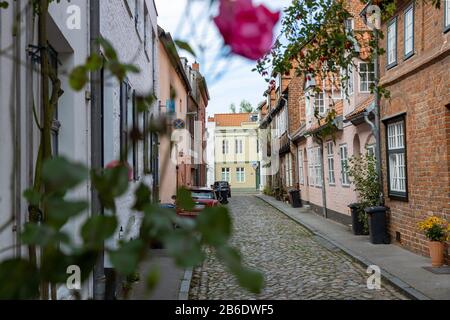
(324, 191)
(289, 134)
(96, 140)
(377, 124)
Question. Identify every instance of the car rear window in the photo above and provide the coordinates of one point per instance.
(202, 195)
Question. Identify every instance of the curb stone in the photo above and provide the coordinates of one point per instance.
(393, 280)
(185, 285)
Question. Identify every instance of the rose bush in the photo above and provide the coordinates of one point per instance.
(246, 28)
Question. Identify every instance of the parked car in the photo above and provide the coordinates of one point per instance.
(203, 198)
(223, 185)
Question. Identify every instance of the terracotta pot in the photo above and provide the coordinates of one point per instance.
(436, 253)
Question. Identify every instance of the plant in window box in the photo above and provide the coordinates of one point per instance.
(363, 173)
(436, 230)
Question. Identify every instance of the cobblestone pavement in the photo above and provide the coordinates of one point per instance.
(295, 264)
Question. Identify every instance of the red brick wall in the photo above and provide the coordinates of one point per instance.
(420, 86)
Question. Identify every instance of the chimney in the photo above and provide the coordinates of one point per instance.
(196, 66)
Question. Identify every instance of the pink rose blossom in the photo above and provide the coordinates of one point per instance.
(115, 163)
(247, 29)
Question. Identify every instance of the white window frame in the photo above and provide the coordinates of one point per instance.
(240, 175)
(349, 25)
(371, 150)
(396, 155)
(364, 77)
(446, 15)
(225, 147)
(314, 167)
(288, 174)
(343, 153)
(391, 43)
(301, 174)
(238, 146)
(226, 174)
(320, 107)
(330, 162)
(408, 34)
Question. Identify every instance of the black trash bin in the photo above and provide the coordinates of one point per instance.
(222, 195)
(296, 200)
(377, 225)
(357, 225)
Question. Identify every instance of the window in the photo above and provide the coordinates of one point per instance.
(396, 150)
(288, 170)
(392, 43)
(409, 32)
(130, 4)
(281, 122)
(225, 147)
(330, 160)
(238, 146)
(128, 122)
(447, 15)
(301, 178)
(314, 167)
(366, 76)
(138, 19)
(226, 174)
(344, 165)
(147, 25)
(349, 25)
(55, 125)
(371, 150)
(320, 103)
(124, 93)
(240, 175)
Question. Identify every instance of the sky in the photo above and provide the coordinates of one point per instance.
(237, 82)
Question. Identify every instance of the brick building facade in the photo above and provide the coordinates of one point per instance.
(416, 71)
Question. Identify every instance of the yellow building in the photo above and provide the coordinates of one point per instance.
(236, 150)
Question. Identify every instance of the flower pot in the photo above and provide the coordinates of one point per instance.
(436, 253)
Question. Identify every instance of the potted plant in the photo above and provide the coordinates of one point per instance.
(436, 230)
(363, 174)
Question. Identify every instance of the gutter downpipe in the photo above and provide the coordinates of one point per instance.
(375, 126)
(99, 285)
(324, 192)
(289, 134)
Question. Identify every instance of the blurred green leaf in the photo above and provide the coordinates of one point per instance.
(126, 258)
(183, 45)
(19, 280)
(97, 229)
(42, 235)
(110, 184)
(250, 279)
(78, 78)
(157, 222)
(152, 279)
(62, 174)
(60, 211)
(108, 49)
(33, 197)
(214, 225)
(142, 196)
(184, 247)
(184, 199)
(94, 62)
(54, 266)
